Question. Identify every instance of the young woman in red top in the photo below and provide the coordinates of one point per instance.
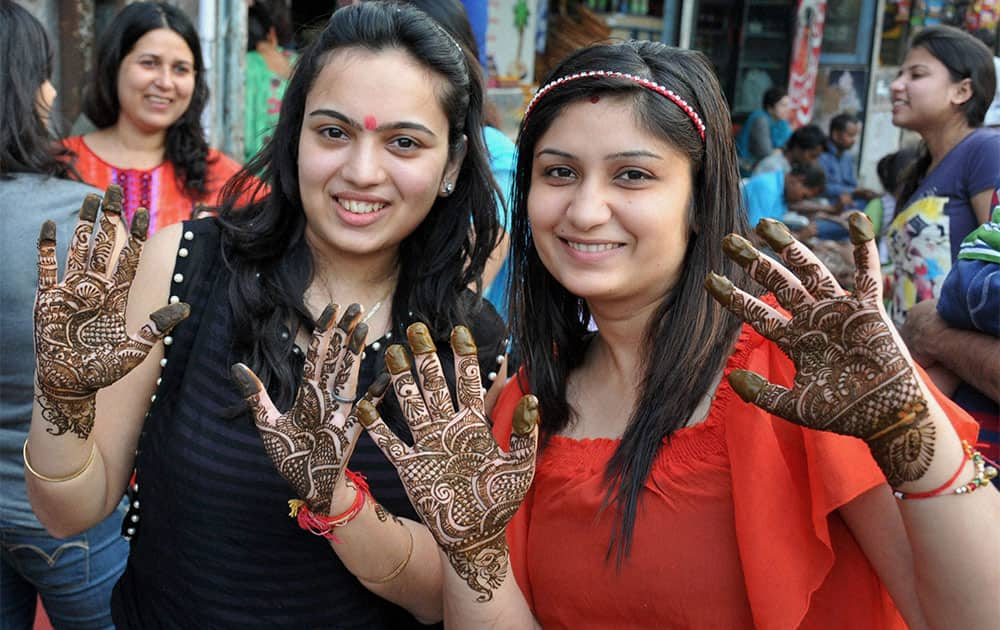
(693, 471)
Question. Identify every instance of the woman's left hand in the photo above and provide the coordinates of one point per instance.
(854, 375)
(465, 488)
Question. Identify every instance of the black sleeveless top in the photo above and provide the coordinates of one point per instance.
(212, 545)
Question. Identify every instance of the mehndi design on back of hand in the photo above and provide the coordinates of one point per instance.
(852, 377)
(81, 343)
(465, 488)
(311, 443)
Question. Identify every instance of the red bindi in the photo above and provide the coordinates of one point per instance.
(595, 99)
(370, 123)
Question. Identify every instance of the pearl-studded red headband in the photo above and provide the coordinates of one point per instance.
(646, 83)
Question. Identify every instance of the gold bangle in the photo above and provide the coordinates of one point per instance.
(399, 569)
(38, 475)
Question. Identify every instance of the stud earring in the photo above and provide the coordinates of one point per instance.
(448, 188)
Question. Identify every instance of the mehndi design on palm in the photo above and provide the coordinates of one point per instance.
(311, 443)
(465, 488)
(853, 377)
(81, 342)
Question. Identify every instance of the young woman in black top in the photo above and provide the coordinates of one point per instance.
(379, 196)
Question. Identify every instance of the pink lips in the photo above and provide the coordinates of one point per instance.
(356, 219)
(158, 105)
(584, 256)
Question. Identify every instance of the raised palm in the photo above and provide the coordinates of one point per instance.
(853, 374)
(311, 443)
(465, 488)
(81, 340)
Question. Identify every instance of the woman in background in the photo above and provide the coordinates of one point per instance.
(268, 68)
(74, 575)
(766, 130)
(943, 91)
(146, 98)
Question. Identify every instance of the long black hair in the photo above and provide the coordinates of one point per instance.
(265, 241)
(965, 57)
(690, 335)
(26, 144)
(187, 148)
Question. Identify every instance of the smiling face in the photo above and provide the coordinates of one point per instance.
(608, 205)
(373, 151)
(155, 81)
(924, 94)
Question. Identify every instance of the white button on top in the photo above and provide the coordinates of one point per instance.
(183, 252)
(178, 277)
(189, 236)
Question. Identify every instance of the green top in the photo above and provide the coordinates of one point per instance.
(264, 91)
(984, 242)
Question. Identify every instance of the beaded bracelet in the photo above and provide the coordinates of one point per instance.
(982, 477)
(324, 525)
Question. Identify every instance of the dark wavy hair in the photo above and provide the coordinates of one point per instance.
(264, 242)
(965, 57)
(773, 96)
(690, 335)
(187, 148)
(26, 144)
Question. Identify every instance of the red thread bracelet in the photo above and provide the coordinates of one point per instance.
(940, 489)
(324, 525)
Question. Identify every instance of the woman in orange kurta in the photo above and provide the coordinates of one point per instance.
(146, 98)
(692, 471)
(157, 189)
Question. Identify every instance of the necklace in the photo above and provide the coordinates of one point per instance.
(374, 309)
(377, 305)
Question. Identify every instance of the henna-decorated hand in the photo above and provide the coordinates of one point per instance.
(853, 375)
(81, 343)
(465, 488)
(311, 443)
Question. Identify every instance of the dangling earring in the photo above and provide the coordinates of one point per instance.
(448, 188)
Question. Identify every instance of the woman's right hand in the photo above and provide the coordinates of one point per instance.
(465, 488)
(312, 442)
(81, 343)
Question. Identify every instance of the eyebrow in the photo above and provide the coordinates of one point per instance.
(611, 156)
(157, 57)
(332, 113)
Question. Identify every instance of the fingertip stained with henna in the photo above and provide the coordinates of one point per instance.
(420, 338)
(396, 359)
(775, 234)
(462, 341)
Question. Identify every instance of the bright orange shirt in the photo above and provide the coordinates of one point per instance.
(155, 189)
(737, 526)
